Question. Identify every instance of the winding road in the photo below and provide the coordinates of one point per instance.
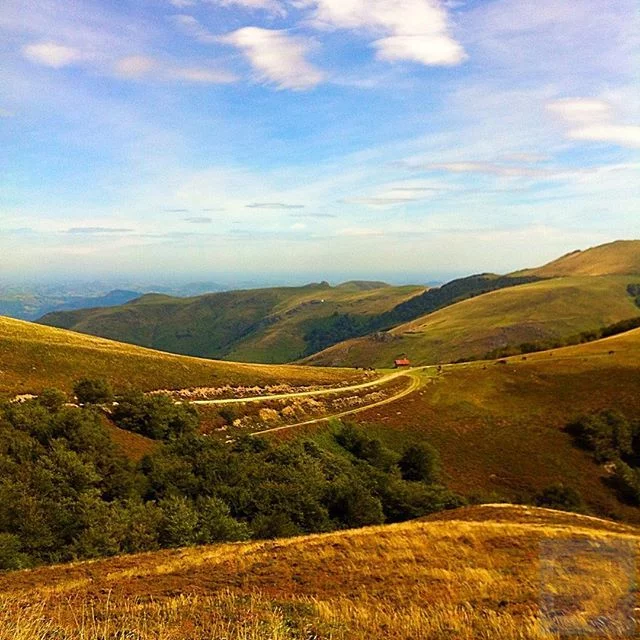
(319, 392)
(415, 382)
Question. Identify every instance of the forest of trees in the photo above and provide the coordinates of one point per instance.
(68, 492)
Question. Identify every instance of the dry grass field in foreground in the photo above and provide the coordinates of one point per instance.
(494, 572)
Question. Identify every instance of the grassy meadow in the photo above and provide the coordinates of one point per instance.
(494, 572)
(33, 357)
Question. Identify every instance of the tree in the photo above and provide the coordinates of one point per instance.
(155, 416)
(179, 522)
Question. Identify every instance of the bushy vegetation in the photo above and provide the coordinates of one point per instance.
(559, 496)
(614, 440)
(93, 391)
(154, 416)
(634, 291)
(67, 492)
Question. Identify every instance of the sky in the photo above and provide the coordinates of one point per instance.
(314, 139)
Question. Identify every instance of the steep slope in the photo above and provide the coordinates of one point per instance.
(33, 357)
(545, 311)
(499, 426)
(497, 571)
(616, 258)
(260, 325)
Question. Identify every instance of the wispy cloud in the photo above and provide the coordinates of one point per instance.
(277, 57)
(5, 113)
(491, 168)
(592, 120)
(97, 230)
(273, 7)
(51, 54)
(144, 67)
(135, 66)
(192, 27)
(313, 215)
(198, 220)
(274, 205)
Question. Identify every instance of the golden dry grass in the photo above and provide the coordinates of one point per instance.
(471, 575)
(34, 356)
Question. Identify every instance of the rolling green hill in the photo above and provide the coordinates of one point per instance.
(545, 311)
(260, 325)
(33, 357)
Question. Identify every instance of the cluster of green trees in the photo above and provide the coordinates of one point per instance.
(67, 492)
(613, 439)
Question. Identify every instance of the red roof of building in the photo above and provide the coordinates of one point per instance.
(402, 362)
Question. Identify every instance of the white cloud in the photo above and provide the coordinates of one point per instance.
(416, 30)
(135, 66)
(592, 120)
(5, 113)
(434, 50)
(182, 4)
(51, 54)
(277, 57)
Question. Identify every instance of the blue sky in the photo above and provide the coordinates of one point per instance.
(403, 139)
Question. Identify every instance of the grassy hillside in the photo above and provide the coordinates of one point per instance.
(499, 572)
(616, 258)
(499, 425)
(33, 357)
(261, 325)
(542, 311)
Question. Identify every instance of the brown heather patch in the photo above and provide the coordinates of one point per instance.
(450, 578)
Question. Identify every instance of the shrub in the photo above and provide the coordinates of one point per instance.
(93, 391)
(420, 463)
(559, 496)
(626, 481)
(11, 556)
(52, 399)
